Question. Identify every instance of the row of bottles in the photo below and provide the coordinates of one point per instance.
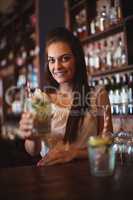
(120, 90)
(19, 51)
(22, 47)
(106, 54)
(108, 14)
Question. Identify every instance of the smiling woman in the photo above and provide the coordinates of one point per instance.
(72, 124)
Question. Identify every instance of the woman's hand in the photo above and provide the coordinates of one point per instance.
(61, 153)
(26, 126)
(32, 143)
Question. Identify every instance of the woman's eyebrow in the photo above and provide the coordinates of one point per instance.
(50, 57)
(65, 54)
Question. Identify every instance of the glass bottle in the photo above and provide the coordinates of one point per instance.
(92, 27)
(118, 10)
(130, 94)
(103, 19)
(112, 16)
(91, 58)
(104, 55)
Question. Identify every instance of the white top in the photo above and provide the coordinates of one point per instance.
(89, 126)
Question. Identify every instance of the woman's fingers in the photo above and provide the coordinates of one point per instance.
(51, 156)
(26, 125)
(56, 156)
(51, 162)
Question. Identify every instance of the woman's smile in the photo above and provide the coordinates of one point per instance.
(60, 73)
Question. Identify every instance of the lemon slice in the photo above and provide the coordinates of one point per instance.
(98, 141)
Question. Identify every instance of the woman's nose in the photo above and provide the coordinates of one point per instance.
(57, 64)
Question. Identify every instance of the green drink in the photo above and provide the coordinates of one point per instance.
(39, 105)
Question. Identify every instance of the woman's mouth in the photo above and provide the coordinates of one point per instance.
(60, 73)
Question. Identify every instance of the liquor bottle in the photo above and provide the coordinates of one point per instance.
(118, 81)
(111, 98)
(107, 83)
(123, 50)
(117, 101)
(97, 23)
(124, 100)
(91, 58)
(112, 89)
(112, 16)
(109, 55)
(120, 55)
(85, 49)
(92, 27)
(112, 50)
(103, 19)
(130, 94)
(104, 55)
(96, 56)
(101, 82)
(118, 10)
(116, 91)
(123, 94)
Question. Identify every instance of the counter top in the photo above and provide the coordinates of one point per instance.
(71, 181)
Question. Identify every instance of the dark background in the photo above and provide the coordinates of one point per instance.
(51, 15)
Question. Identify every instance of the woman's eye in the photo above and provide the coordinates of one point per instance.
(66, 58)
(51, 60)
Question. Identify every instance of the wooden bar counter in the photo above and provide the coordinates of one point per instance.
(71, 181)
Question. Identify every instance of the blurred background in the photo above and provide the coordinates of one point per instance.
(105, 28)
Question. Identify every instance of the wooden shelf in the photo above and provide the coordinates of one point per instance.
(123, 116)
(108, 32)
(113, 71)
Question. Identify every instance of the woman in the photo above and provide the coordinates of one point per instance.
(77, 112)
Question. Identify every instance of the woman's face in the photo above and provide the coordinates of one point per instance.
(61, 62)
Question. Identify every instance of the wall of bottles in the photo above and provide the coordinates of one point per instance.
(18, 50)
(108, 13)
(18, 47)
(105, 30)
(120, 91)
(106, 54)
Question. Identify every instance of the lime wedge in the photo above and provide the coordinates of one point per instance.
(99, 140)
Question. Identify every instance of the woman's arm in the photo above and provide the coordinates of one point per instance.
(63, 153)
(32, 143)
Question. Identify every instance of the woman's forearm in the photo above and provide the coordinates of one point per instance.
(33, 147)
(81, 153)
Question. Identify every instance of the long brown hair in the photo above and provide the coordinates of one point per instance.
(61, 34)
